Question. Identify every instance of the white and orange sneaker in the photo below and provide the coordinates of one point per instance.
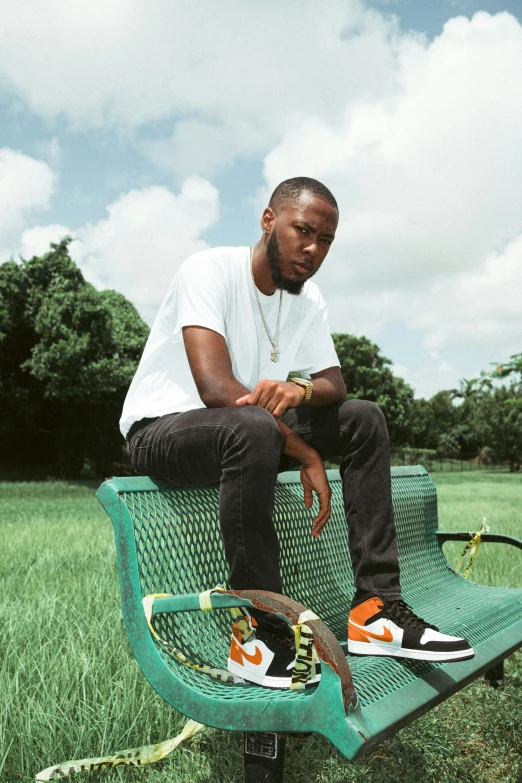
(376, 627)
(265, 657)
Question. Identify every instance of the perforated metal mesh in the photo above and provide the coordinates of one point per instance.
(180, 550)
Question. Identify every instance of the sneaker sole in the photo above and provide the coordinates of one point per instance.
(364, 648)
(264, 680)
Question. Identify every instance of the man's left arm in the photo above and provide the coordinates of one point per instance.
(329, 387)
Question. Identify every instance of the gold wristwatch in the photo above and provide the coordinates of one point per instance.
(308, 385)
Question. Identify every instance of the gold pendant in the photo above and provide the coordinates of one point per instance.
(273, 355)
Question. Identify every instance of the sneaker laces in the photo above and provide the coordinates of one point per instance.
(400, 611)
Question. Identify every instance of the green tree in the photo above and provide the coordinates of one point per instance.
(368, 376)
(491, 416)
(448, 445)
(496, 421)
(510, 369)
(67, 355)
(513, 402)
(422, 426)
(438, 424)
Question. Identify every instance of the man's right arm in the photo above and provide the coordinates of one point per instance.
(211, 367)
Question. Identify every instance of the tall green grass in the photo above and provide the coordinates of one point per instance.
(69, 686)
(464, 500)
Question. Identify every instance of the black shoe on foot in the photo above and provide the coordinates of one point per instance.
(376, 627)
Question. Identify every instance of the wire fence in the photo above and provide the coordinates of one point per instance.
(435, 463)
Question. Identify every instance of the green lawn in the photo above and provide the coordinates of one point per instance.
(70, 687)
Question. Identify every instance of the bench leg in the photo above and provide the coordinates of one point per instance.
(495, 676)
(264, 757)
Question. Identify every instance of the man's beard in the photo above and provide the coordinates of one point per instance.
(278, 278)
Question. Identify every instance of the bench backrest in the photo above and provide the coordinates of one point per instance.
(179, 548)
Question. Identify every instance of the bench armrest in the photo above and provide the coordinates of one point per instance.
(327, 647)
(490, 538)
(190, 602)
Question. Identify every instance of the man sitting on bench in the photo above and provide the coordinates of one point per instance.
(210, 402)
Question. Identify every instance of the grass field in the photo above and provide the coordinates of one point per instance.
(70, 688)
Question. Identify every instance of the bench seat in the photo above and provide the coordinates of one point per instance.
(168, 541)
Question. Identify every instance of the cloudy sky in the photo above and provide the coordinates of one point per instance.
(150, 129)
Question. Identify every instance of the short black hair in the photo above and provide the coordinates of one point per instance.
(290, 190)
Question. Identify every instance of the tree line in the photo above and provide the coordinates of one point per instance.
(68, 353)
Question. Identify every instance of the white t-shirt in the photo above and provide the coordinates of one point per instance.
(214, 288)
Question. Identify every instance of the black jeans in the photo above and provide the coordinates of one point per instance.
(240, 449)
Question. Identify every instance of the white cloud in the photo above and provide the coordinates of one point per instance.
(480, 308)
(138, 248)
(225, 83)
(204, 147)
(26, 186)
(429, 183)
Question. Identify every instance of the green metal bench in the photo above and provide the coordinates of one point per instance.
(168, 541)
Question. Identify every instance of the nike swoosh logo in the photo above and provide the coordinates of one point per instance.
(254, 658)
(387, 636)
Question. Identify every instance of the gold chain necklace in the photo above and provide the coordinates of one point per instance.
(273, 342)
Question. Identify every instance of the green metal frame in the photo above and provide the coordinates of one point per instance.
(167, 541)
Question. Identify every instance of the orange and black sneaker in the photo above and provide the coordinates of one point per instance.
(376, 627)
(266, 657)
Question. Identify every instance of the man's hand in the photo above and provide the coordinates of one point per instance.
(274, 396)
(313, 475)
(313, 478)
